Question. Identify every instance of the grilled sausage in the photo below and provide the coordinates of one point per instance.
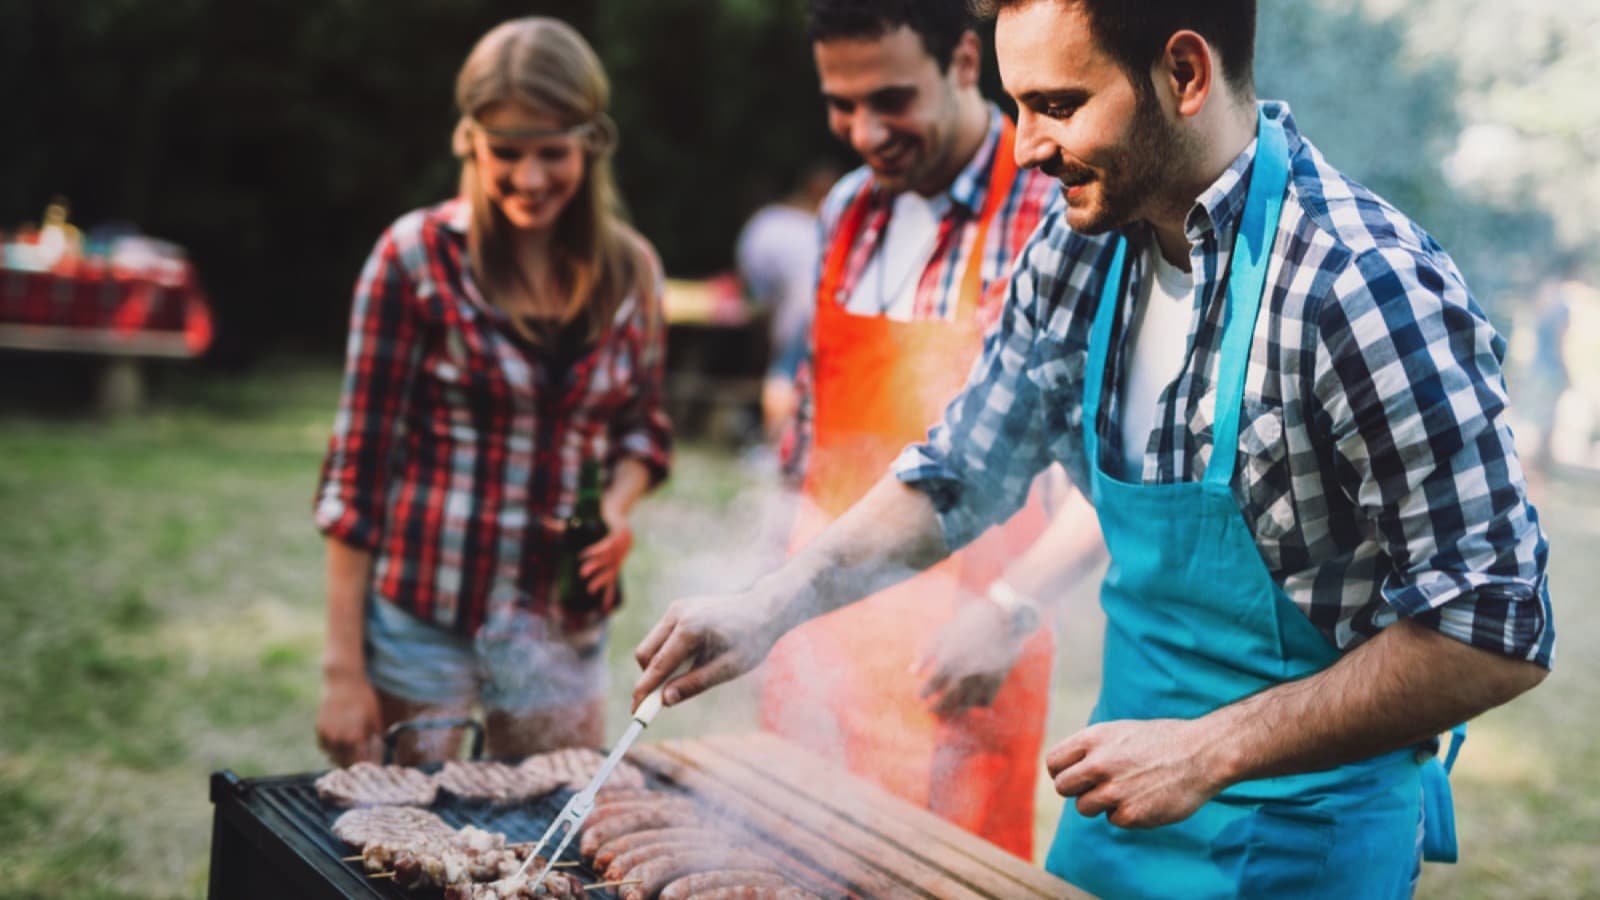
(681, 807)
(673, 861)
(627, 843)
(695, 885)
(754, 892)
(598, 834)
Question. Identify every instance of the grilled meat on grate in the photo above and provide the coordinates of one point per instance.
(388, 824)
(575, 766)
(496, 782)
(368, 784)
(555, 885)
(692, 887)
(629, 843)
(756, 892)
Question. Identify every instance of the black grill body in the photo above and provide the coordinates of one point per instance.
(272, 839)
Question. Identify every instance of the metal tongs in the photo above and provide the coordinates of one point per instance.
(577, 810)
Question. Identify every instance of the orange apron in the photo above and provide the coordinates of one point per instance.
(840, 685)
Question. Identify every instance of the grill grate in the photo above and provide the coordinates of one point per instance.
(295, 798)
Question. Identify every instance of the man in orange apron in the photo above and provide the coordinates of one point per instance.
(912, 242)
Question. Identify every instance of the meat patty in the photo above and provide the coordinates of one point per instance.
(495, 782)
(576, 766)
(388, 824)
(368, 784)
(696, 885)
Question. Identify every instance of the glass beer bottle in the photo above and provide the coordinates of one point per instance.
(584, 527)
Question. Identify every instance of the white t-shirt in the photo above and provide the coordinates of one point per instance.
(1158, 335)
(888, 285)
(777, 255)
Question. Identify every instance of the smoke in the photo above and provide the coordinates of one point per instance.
(527, 664)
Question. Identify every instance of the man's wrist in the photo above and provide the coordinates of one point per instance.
(1022, 611)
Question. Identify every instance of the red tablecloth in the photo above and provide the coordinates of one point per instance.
(107, 305)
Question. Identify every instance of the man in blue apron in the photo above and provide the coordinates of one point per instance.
(1289, 414)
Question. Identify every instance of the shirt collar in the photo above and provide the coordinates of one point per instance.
(970, 189)
(1220, 206)
(457, 215)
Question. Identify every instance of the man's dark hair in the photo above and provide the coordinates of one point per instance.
(940, 23)
(1135, 32)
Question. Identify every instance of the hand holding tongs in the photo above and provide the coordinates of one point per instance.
(572, 815)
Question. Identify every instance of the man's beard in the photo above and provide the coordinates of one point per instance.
(1132, 174)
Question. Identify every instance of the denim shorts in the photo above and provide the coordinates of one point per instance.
(515, 664)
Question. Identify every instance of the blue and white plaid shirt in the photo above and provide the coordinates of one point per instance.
(1376, 467)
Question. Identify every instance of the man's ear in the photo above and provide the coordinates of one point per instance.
(1187, 72)
(966, 61)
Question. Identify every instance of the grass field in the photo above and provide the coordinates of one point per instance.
(161, 617)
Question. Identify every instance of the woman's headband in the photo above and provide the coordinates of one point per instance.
(598, 135)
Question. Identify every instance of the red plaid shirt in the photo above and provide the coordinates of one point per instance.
(456, 451)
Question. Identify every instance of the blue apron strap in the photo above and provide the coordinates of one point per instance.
(1099, 343)
(1247, 278)
(1438, 803)
(1458, 736)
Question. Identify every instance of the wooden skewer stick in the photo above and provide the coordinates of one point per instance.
(382, 875)
(356, 858)
(606, 884)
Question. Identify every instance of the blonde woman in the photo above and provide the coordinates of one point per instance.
(498, 342)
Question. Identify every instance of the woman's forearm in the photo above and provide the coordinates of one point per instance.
(630, 479)
(348, 572)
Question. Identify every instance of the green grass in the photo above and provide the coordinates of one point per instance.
(161, 617)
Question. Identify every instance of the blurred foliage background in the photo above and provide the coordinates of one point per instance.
(275, 138)
(160, 583)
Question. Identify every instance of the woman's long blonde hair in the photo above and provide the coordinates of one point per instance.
(544, 64)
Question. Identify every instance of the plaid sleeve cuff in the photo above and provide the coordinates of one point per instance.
(1510, 619)
(917, 467)
(336, 518)
(650, 444)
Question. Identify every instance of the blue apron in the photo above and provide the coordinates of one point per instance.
(1194, 622)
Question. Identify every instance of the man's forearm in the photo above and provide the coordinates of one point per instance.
(1402, 687)
(889, 535)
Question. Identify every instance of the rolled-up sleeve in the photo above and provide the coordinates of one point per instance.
(381, 359)
(980, 460)
(1409, 386)
(641, 430)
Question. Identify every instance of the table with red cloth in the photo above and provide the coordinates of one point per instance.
(98, 310)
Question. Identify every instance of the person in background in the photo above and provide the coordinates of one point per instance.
(1548, 376)
(776, 256)
(499, 341)
(1290, 416)
(937, 689)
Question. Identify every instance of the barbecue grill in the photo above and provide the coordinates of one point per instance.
(272, 837)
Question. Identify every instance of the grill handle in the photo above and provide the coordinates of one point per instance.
(392, 736)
